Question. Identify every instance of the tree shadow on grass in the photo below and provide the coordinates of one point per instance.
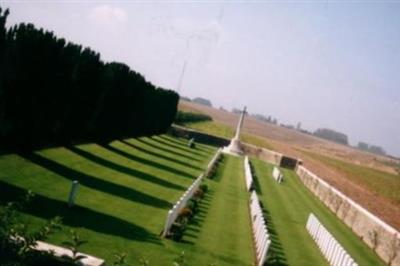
(178, 147)
(276, 254)
(147, 162)
(173, 140)
(123, 169)
(194, 227)
(77, 216)
(158, 147)
(221, 164)
(159, 155)
(256, 184)
(97, 183)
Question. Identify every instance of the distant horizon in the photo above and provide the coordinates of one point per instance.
(326, 65)
(279, 123)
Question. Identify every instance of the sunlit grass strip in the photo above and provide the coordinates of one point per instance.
(221, 233)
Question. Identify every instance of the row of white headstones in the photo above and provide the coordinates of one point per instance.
(247, 173)
(330, 248)
(260, 231)
(261, 236)
(277, 175)
(181, 203)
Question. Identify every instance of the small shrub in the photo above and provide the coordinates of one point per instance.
(185, 213)
(144, 262)
(204, 187)
(180, 260)
(198, 194)
(193, 205)
(73, 245)
(177, 231)
(120, 259)
(18, 242)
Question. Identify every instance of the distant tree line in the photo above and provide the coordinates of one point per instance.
(262, 118)
(197, 100)
(190, 117)
(57, 92)
(332, 135)
(371, 148)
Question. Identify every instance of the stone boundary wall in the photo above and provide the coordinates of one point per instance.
(200, 137)
(379, 236)
(263, 154)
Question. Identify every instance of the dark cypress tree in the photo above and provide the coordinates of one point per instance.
(56, 93)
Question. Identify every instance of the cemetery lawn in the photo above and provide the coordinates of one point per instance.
(126, 189)
(287, 208)
(221, 233)
(382, 183)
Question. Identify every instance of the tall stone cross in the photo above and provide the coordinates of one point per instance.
(240, 124)
(235, 146)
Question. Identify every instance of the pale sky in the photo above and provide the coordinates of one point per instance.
(326, 64)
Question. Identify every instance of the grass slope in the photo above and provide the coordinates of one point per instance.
(126, 190)
(385, 184)
(287, 208)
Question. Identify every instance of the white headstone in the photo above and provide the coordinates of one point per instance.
(72, 193)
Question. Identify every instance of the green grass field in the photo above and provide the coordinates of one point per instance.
(221, 233)
(126, 189)
(382, 183)
(287, 208)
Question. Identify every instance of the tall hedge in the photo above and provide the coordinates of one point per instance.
(54, 92)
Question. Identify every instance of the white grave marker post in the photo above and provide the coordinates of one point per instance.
(72, 193)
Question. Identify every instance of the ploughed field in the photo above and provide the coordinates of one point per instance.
(126, 189)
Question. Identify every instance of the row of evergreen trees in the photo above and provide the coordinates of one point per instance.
(54, 92)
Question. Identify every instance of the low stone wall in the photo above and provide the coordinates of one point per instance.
(382, 238)
(249, 149)
(263, 154)
(199, 137)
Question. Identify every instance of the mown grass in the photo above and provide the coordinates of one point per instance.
(221, 232)
(126, 189)
(382, 183)
(225, 131)
(287, 208)
(213, 128)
